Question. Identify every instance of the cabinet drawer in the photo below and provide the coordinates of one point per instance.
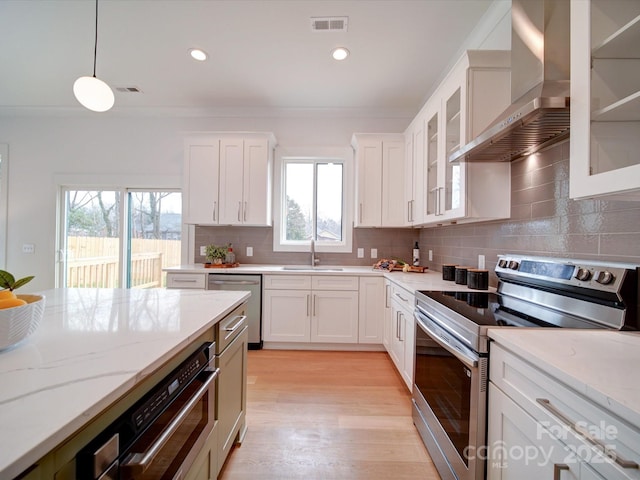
(404, 297)
(563, 413)
(334, 282)
(186, 280)
(287, 282)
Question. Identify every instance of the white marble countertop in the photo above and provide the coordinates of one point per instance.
(92, 346)
(602, 365)
(429, 280)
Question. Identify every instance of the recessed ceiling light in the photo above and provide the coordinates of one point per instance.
(340, 53)
(198, 54)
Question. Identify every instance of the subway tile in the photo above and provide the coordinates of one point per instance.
(621, 245)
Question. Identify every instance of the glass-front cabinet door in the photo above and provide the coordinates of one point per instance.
(432, 156)
(453, 135)
(605, 98)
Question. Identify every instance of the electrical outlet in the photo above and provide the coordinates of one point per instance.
(431, 255)
(361, 253)
(28, 248)
(203, 250)
(481, 262)
(374, 253)
(249, 251)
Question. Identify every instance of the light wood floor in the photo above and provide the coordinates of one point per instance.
(327, 415)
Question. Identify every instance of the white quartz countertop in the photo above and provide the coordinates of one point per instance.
(429, 280)
(602, 365)
(93, 346)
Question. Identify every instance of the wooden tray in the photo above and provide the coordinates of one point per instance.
(221, 265)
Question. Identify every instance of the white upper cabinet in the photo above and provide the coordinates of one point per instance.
(413, 172)
(228, 178)
(605, 98)
(380, 162)
(472, 95)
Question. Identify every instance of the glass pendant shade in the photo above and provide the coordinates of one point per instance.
(93, 94)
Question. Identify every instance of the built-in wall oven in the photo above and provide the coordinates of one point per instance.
(453, 351)
(159, 436)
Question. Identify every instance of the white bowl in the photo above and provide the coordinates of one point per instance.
(17, 323)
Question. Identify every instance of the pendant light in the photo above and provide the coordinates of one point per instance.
(92, 92)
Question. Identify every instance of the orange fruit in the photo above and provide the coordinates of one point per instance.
(11, 302)
(5, 294)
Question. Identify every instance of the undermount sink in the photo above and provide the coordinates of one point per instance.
(312, 269)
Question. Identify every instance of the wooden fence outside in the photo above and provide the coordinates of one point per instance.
(93, 262)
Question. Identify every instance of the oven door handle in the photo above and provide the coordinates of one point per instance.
(137, 463)
(464, 357)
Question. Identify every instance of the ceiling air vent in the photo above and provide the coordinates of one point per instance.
(329, 24)
(128, 89)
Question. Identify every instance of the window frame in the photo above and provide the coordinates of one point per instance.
(313, 155)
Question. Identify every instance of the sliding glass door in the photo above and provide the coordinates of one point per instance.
(114, 238)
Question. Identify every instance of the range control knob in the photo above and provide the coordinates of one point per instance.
(604, 277)
(582, 274)
(503, 263)
(513, 265)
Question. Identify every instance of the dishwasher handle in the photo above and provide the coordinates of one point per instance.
(234, 282)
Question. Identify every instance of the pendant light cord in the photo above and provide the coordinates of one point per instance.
(95, 43)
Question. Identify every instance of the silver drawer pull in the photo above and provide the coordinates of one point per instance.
(235, 327)
(137, 463)
(606, 451)
(401, 297)
(185, 280)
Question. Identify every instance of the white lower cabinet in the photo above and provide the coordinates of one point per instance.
(371, 310)
(387, 316)
(540, 428)
(401, 328)
(310, 308)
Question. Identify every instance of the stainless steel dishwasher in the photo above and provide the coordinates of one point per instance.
(251, 283)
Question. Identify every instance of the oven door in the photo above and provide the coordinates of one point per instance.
(449, 400)
(170, 444)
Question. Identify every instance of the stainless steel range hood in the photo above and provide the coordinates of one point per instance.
(539, 111)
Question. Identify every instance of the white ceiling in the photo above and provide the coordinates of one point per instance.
(263, 53)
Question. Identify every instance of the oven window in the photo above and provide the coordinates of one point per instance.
(169, 459)
(445, 383)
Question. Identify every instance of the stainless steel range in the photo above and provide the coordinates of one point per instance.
(452, 348)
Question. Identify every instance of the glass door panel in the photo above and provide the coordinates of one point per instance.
(432, 165)
(90, 255)
(452, 171)
(153, 240)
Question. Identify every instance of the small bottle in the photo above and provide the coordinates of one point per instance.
(416, 255)
(230, 257)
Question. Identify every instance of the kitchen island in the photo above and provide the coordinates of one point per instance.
(92, 348)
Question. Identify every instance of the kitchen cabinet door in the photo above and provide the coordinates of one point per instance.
(200, 181)
(380, 165)
(388, 316)
(520, 448)
(605, 99)
(231, 181)
(257, 181)
(286, 316)
(231, 394)
(409, 339)
(414, 172)
(371, 310)
(334, 316)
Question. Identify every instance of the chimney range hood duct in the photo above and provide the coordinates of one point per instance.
(539, 111)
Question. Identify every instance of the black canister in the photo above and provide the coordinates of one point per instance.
(478, 279)
(461, 275)
(449, 271)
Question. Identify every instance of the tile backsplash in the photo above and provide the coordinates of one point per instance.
(544, 221)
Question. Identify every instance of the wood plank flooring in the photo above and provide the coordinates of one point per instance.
(327, 415)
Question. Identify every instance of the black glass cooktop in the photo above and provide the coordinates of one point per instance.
(485, 308)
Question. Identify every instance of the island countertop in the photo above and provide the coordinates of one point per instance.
(92, 347)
